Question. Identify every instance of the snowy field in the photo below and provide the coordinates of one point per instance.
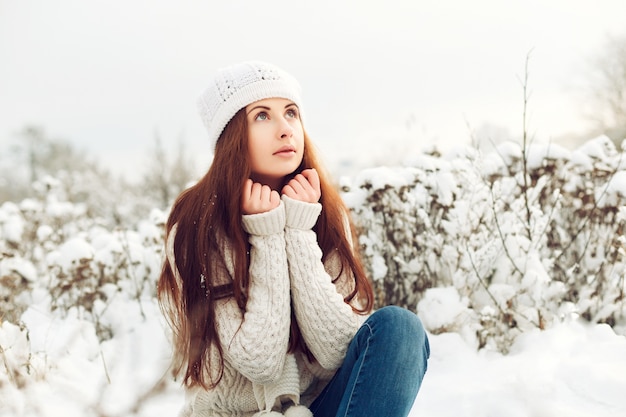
(574, 369)
(81, 334)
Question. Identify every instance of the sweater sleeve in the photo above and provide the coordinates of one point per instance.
(255, 341)
(326, 321)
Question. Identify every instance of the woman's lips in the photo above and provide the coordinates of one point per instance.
(285, 151)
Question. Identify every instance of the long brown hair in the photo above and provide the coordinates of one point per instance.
(206, 214)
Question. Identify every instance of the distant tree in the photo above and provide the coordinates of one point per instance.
(607, 89)
(183, 168)
(52, 170)
(47, 156)
(167, 174)
(33, 155)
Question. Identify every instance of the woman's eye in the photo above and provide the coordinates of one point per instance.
(261, 116)
(292, 113)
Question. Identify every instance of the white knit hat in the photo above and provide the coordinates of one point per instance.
(234, 87)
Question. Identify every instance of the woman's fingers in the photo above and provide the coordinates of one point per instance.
(258, 198)
(313, 178)
(274, 199)
(304, 187)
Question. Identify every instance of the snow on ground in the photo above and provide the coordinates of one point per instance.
(572, 369)
(108, 356)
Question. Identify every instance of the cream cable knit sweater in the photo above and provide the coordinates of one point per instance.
(285, 268)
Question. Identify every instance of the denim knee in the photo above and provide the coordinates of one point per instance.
(399, 326)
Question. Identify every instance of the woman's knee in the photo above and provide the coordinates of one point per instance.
(399, 324)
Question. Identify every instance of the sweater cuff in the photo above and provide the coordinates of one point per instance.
(299, 214)
(265, 224)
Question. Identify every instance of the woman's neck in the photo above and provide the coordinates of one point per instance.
(275, 184)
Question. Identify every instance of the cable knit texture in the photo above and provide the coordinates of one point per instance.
(260, 377)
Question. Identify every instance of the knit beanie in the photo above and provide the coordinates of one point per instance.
(236, 86)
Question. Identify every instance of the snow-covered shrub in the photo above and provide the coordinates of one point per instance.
(522, 252)
(82, 262)
(75, 294)
(15, 356)
(16, 273)
(517, 243)
(89, 271)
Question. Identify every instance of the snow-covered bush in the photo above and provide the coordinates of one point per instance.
(74, 291)
(486, 246)
(522, 253)
(54, 244)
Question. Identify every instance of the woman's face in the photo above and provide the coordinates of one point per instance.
(275, 140)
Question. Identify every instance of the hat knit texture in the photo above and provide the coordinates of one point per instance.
(236, 86)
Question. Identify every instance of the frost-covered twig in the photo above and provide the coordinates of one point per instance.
(525, 147)
(482, 281)
(131, 273)
(502, 238)
(104, 365)
(587, 218)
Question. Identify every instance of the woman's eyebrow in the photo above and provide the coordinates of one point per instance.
(258, 107)
(268, 108)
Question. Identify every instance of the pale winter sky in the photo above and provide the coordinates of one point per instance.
(380, 78)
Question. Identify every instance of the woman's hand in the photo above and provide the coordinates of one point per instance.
(258, 198)
(304, 187)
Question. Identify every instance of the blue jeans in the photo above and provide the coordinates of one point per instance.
(383, 369)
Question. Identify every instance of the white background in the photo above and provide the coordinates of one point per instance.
(378, 76)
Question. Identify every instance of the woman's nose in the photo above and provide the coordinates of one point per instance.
(286, 130)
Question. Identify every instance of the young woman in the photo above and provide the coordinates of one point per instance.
(269, 304)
